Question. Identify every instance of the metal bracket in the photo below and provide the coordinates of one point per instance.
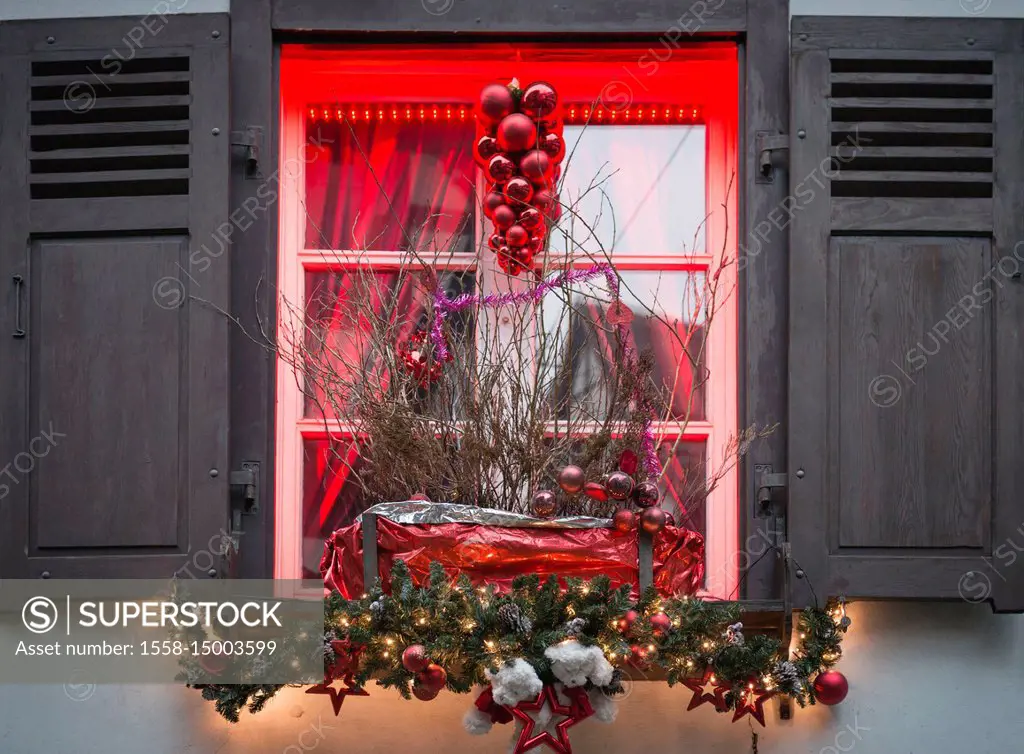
(767, 481)
(766, 142)
(245, 493)
(252, 140)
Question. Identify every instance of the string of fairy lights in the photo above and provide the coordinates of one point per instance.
(572, 113)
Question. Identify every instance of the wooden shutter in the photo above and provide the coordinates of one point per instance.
(114, 160)
(906, 427)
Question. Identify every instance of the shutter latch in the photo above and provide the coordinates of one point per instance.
(766, 142)
(252, 140)
(245, 493)
(766, 482)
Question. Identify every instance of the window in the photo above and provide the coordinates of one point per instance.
(358, 124)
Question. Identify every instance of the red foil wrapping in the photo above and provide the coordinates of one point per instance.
(494, 555)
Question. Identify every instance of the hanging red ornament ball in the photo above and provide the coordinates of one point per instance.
(639, 656)
(619, 485)
(433, 677)
(496, 102)
(516, 133)
(518, 191)
(543, 200)
(500, 168)
(670, 520)
(535, 165)
(523, 256)
(486, 148)
(543, 503)
(626, 621)
(495, 241)
(646, 494)
(661, 624)
(571, 479)
(596, 491)
(491, 202)
(624, 520)
(414, 658)
(539, 100)
(652, 520)
(517, 236)
(628, 462)
(530, 218)
(504, 217)
(423, 693)
(554, 146)
(831, 687)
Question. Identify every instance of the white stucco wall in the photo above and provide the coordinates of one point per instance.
(925, 678)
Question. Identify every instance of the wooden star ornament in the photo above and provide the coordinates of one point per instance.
(751, 701)
(706, 689)
(576, 711)
(338, 694)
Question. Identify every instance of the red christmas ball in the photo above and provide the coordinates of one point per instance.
(500, 168)
(518, 191)
(626, 621)
(530, 218)
(517, 236)
(491, 202)
(646, 494)
(628, 462)
(536, 166)
(414, 658)
(539, 100)
(652, 520)
(831, 687)
(670, 520)
(496, 102)
(624, 520)
(523, 256)
(553, 145)
(571, 479)
(433, 677)
(596, 491)
(543, 200)
(504, 217)
(619, 485)
(661, 624)
(638, 656)
(544, 503)
(423, 693)
(517, 133)
(495, 241)
(486, 148)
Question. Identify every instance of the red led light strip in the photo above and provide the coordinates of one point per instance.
(572, 113)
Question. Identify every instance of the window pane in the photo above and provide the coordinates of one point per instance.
(331, 498)
(580, 347)
(389, 186)
(684, 482)
(633, 190)
(341, 348)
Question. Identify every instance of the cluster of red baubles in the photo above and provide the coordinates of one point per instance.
(519, 146)
(618, 485)
(430, 677)
(412, 355)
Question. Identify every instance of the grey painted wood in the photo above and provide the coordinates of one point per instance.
(254, 275)
(486, 17)
(763, 264)
(915, 473)
(905, 355)
(125, 351)
(105, 374)
(899, 214)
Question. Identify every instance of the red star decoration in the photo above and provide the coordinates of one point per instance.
(701, 693)
(751, 701)
(578, 710)
(337, 695)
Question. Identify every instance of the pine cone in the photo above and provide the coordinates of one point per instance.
(512, 621)
(787, 676)
(575, 626)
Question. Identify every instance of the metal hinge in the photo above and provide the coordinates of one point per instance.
(766, 142)
(252, 140)
(767, 480)
(245, 493)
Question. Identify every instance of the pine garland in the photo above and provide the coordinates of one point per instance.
(470, 630)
